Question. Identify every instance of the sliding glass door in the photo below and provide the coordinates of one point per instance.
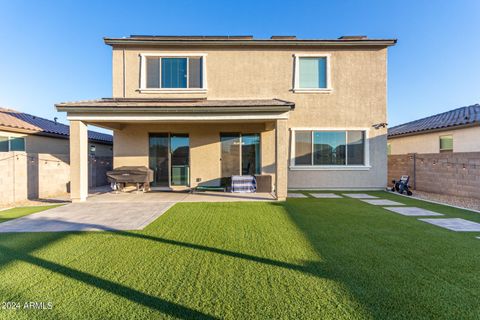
(169, 158)
(180, 149)
(230, 155)
(159, 159)
(240, 154)
(250, 154)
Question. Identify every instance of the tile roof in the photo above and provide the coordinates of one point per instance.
(24, 121)
(176, 103)
(469, 115)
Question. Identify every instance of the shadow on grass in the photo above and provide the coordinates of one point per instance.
(13, 253)
(354, 254)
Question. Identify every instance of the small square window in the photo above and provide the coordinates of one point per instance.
(312, 73)
(446, 143)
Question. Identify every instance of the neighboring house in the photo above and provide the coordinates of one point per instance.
(309, 113)
(25, 132)
(35, 157)
(457, 130)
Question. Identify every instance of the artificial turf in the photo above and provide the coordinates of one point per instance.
(301, 259)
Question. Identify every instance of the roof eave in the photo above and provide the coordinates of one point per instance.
(107, 109)
(264, 43)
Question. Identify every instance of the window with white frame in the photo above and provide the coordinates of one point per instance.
(162, 72)
(312, 72)
(446, 143)
(329, 148)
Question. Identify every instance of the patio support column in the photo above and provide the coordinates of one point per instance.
(78, 161)
(281, 159)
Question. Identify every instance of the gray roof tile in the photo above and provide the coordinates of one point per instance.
(19, 120)
(458, 117)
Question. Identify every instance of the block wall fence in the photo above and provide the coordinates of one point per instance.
(30, 176)
(456, 174)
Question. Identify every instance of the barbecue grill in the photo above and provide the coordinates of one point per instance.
(139, 175)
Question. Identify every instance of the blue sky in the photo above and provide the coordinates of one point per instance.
(52, 51)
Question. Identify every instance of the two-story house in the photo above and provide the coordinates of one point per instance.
(310, 113)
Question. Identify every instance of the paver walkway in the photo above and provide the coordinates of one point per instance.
(296, 195)
(382, 202)
(359, 196)
(325, 195)
(413, 211)
(454, 224)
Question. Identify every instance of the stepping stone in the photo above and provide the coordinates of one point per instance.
(325, 195)
(454, 224)
(359, 196)
(296, 195)
(413, 211)
(382, 202)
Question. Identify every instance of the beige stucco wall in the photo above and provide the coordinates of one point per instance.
(131, 147)
(52, 145)
(357, 99)
(464, 140)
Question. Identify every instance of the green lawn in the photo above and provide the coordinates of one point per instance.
(14, 213)
(302, 259)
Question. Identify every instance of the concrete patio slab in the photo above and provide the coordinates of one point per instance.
(454, 224)
(106, 210)
(382, 202)
(325, 195)
(166, 196)
(89, 217)
(296, 195)
(413, 211)
(359, 196)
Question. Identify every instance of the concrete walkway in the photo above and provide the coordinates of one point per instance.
(89, 217)
(116, 211)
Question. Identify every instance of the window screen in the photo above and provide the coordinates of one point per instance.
(355, 147)
(303, 148)
(195, 72)
(153, 73)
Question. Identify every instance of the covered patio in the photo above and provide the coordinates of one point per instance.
(186, 142)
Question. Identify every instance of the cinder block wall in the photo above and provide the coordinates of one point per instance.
(456, 174)
(30, 176)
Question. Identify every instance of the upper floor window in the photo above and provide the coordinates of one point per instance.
(167, 72)
(312, 73)
(12, 144)
(446, 143)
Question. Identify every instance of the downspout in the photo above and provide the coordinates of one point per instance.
(414, 171)
(14, 174)
(124, 73)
